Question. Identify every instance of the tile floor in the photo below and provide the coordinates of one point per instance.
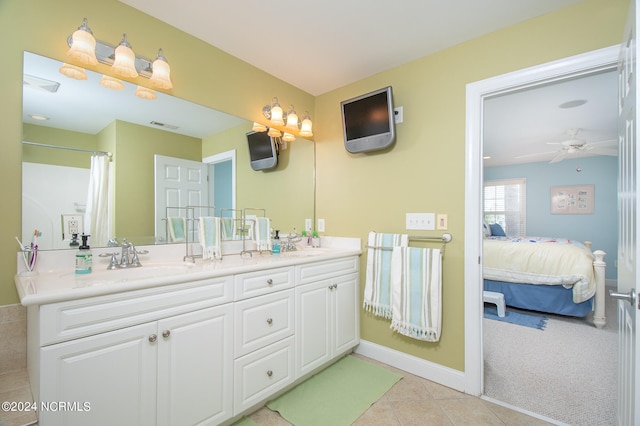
(417, 401)
(411, 401)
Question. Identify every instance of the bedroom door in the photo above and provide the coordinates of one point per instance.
(628, 228)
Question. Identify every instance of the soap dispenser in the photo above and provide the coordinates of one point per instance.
(84, 257)
(275, 244)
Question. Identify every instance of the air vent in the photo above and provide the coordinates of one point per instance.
(40, 83)
(166, 126)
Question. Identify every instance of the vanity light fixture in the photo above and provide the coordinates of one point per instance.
(145, 93)
(84, 49)
(277, 117)
(124, 59)
(82, 45)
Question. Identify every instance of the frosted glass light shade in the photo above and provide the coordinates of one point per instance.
(83, 45)
(257, 127)
(288, 137)
(161, 77)
(274, 133)
(72, 71)
(306, 128)
(124, 62)
(111, 83)
(292, 120)
(145, 93)
(276, 115)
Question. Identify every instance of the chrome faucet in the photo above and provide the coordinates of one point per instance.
(292, 239)
(128, 256)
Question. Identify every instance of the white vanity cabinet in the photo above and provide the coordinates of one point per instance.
(327, 323)
(171, 370)
(264, 335)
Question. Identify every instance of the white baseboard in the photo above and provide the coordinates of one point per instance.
(428, 370)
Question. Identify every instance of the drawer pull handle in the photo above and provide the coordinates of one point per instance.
(269, 373)
(270, 281)
(333, 286)
(269, 321)
(153, 338)
(166, 334)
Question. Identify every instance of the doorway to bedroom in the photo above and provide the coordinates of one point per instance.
(523, 367)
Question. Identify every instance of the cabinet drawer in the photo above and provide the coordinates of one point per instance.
(262, 282)
(261, 373)
(84, 317)
(263, 320)
(328, 269)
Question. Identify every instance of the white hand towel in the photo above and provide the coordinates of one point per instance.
(262, 234)
(417, 292)
(209, 234)
(177, 228)
(377, 291)
(228, 228)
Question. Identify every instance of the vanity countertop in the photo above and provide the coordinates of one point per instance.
(162, 267)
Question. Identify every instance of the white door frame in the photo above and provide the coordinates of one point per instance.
(221, 157)
(583, 64)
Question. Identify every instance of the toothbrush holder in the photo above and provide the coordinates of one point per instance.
(30, 257)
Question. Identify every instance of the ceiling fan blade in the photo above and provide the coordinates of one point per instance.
(535, 155)
(608, 141)
(604, 151)
(559, 157)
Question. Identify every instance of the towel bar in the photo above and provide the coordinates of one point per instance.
(445, 238)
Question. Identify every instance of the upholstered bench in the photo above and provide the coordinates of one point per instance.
(496, 299)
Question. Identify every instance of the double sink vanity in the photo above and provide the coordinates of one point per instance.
(173, 342)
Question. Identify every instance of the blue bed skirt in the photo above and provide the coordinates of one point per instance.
(553, 299)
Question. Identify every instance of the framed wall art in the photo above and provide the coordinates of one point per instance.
(572, 199)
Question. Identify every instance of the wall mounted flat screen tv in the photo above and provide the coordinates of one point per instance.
(368, 121)
(263, 151)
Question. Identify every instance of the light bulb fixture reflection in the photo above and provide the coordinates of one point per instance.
(111, 83)
(124, 62)
(82, 46)
(288, 137)
(274, 133)
(257, 127)
(72, 71)
(292, 119)
(161, 77)
(145, 93)
(277, 117)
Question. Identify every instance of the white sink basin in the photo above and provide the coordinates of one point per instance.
(104, 276)
(306, 252)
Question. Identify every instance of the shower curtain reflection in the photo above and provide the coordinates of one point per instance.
(97, 214)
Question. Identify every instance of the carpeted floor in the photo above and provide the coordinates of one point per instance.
(566, 372)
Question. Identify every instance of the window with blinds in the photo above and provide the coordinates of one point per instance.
(505, 203)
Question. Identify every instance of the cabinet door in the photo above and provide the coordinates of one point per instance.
(346, 313)
(313, 326)
(195, 367)
(114, 373)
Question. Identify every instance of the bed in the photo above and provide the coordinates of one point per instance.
(551, 275)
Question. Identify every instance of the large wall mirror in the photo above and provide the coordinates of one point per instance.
(67, 121)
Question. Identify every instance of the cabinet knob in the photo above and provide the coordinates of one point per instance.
(270, 281)
(269, 373)
(166, 334)
(153, 338)
(269, 321)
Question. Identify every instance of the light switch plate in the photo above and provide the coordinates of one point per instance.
(441, 221)
(421, 221)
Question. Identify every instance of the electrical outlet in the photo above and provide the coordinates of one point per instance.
(398, 115)
(320, 225)
(308, 225)
(421, 221)
(71, 224)
(441, 221)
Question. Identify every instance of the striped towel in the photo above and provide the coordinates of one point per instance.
(228, 228)
(417, 292)
(209, 232)
(377, 291)
(262, 233)
(177, 228)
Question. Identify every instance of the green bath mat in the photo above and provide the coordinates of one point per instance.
(337, 395)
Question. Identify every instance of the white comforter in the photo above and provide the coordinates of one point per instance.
(538, 260)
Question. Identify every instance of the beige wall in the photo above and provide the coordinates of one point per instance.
(423, 172)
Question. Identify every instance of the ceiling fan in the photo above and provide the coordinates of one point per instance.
(575, 146)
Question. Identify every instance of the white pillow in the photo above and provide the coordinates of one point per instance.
(486, 229)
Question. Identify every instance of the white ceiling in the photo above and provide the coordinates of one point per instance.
(337, 43)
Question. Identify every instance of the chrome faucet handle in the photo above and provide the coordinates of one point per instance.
(135, 261)
(113, 263)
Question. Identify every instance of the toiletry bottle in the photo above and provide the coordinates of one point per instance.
(275, 244)
(84, 257)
